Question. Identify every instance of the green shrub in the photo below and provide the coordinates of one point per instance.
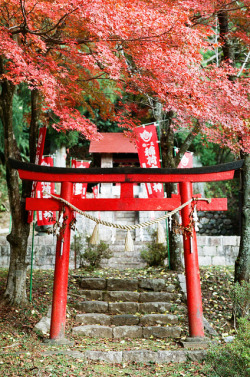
(231, 360)
(93, 254)
(240, 296)
(155, 254)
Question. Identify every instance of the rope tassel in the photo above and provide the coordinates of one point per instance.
(160, 238)
(129, 244)
(95, 238)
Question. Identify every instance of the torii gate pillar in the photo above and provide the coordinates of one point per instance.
(59, 302)
(194, 300)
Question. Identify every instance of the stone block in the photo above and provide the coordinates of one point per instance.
(43, 326)
(161, 332)
(123, 307)
(171, 357)
(235, 251)
(115, 284)
(230, 261)
(237, 241)
(214, 241)
(127, 332)
(93, 306)
(3, 241)
(93, 283)
(93, 331)
(209, 250)
(158, 319)
(92, 295)
(124, 296)
(156, 296)
(221, 250)
(230, 240)
(110, 356)
(140, 356)
(93, 319)
(5, 251)
(170, 288)
(218, 261)
(205, 261)
(152, 284)
(125, 320)
(154, 307)
(202, 240)
(198, 355)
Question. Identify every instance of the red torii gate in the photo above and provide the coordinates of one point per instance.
(126, 202)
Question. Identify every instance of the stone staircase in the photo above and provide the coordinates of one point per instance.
(121, 259)
(129, 308)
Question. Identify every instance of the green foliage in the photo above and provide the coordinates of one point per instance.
(209, 153)
(231, 360)
(90, 255)
(21, 109)
(155, 254)
(240, 296)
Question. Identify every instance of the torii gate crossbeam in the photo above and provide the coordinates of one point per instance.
(126, 202)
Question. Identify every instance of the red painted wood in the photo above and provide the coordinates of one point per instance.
(126, 191)
(58, 314)
(125, 204)
(194, 300)
(217, 204)
(132, 178)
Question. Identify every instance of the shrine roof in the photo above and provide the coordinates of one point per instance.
(112, 142)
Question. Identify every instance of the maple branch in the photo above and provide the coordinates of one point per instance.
(212, 58)
(33, 8)
(22, 3)
(61, 20)
(244, 64)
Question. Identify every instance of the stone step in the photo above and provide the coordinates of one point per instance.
(136, 356)
(126, 307)
(122, 266)
(99, 331)
(126, 319)
(116, 284)
(123, 260)
(119, 248)
(127, 296)
(126, 254)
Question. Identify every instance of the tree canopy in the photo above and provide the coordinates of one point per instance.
(68, 50)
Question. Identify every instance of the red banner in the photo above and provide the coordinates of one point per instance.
(80, 188)
(45, 217)
(95, 190)
(38, 159)
(186, 161)
(149, 156)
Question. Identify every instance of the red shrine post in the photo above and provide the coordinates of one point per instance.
(126, 202)
(59, 302)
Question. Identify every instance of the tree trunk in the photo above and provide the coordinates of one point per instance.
(227, 48)
(16, 283)
(242, 264)
(171, 161)
(168, 161)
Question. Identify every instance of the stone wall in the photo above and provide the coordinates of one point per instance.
(220, 250)
(217, 223)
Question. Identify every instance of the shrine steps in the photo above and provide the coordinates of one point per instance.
(121, 259)
(129, 308)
